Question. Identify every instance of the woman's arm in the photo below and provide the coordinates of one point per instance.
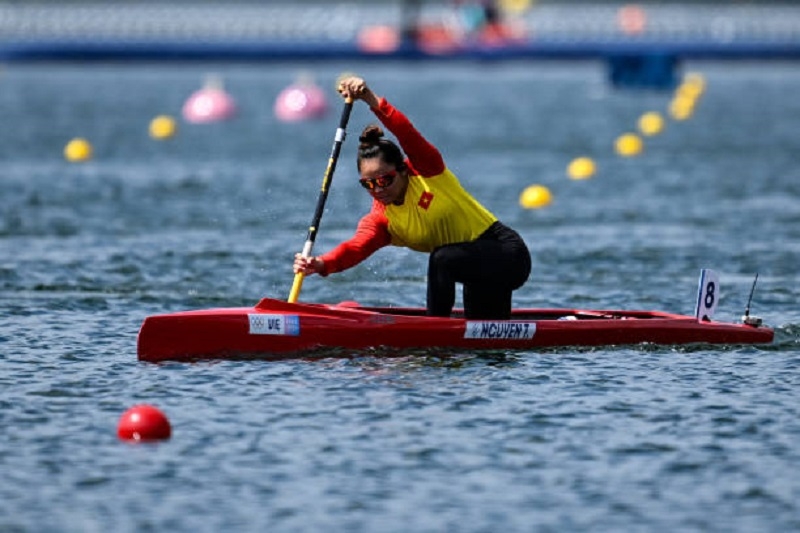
(423, 156)
(371, 234)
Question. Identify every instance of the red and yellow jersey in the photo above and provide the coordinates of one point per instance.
(436, 211)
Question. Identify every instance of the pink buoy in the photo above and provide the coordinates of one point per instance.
(303, 100)
(209, 104)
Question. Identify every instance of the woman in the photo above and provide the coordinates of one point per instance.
(420, 204)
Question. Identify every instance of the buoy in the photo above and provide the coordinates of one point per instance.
(163, 127)
(303, 100)
(628, 145)
(693, 85)
(77, 150)
(535, 196)
(688, 91)
(581, 168)
(651, 123)
(209, 104)
(143, 422)
(686, 96)
(681, 108)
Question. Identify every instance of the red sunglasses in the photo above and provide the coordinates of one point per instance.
(382, 181)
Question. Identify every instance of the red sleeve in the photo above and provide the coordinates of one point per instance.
(424, 158)
(371, 234)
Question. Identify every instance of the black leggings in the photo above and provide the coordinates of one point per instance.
(490, 268)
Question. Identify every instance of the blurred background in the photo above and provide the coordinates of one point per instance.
(641, 43)
(664, 32)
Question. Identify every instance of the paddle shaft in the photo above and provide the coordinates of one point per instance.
(323, 195)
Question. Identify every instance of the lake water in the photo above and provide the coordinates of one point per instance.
(635, 438)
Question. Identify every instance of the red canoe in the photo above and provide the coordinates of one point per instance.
(275, 329)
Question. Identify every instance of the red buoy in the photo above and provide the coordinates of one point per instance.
(143, 422)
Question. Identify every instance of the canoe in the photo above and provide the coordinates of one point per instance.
(275, 329)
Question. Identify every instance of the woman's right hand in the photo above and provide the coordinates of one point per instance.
(307, 265)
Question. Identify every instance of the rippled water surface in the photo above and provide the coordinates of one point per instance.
(637, 438)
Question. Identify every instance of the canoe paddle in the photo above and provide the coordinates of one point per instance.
(323, 194)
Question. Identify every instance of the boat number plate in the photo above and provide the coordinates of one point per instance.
(263, 324)
(499, 330)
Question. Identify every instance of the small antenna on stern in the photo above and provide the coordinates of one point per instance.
(747, 319)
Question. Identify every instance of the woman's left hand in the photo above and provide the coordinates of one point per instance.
(357, 89)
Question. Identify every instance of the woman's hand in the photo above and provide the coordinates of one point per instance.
(307, 265)
(357, 89)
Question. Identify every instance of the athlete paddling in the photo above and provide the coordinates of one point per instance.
(419, 203)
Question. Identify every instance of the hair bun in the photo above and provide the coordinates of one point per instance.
(372, 144)
(372, 134)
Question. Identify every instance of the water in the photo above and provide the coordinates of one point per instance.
(638, 438)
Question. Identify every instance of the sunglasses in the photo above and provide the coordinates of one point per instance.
(382, 181)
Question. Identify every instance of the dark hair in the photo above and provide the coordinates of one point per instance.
(372, 144)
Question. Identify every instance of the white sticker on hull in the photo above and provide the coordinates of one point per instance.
(263, 324)
(500, 330)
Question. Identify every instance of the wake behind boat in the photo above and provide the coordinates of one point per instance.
(275, 329)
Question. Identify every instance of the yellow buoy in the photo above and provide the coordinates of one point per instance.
(694, 84)
(681, 108)
(535, 196)
(628, 145)
(687, 91)
(163, 127)
(581, 168)
(77, 150)
(651, 123)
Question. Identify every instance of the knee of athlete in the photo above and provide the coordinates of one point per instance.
(525, 264)
(522, 279)
(442, 257)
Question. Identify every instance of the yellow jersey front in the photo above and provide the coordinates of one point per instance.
(436, 211)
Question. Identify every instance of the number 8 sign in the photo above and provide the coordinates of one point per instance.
(707, 295)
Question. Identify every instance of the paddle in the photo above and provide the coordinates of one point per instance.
(323, 194)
